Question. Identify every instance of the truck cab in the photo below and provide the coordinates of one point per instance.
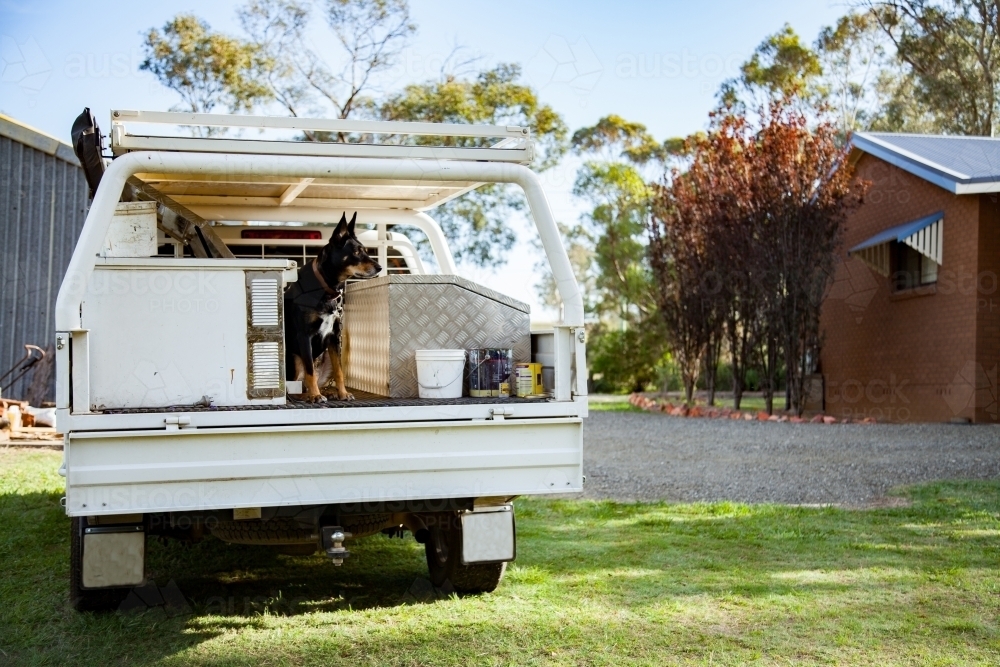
(172, 392)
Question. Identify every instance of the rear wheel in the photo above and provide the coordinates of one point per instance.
(444, 560)
(82, 599)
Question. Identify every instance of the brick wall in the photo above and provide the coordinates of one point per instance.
(988, 311)
(911, 356)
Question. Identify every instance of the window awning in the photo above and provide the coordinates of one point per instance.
(923, 235)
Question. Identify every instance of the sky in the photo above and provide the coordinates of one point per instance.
(658, 63)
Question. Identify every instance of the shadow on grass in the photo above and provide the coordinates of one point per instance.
(628, 556)
(234, 580)
(225, 588)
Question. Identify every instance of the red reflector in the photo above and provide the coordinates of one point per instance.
(301, 234)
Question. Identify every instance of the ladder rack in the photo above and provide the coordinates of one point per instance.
(514, 143)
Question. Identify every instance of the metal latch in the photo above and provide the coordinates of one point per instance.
(500, 413)
(333, 544)
(113, 529)
(175, 423)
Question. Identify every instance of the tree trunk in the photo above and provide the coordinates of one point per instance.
(797, 383)
(740, 350)
(769, 363)
(712, 367)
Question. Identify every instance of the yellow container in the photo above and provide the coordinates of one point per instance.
(528, 379)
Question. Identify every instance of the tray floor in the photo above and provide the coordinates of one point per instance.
(362, 399)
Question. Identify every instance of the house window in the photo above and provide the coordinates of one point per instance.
(911, 269)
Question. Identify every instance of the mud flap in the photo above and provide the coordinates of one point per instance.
(113, 556)
(488, 535)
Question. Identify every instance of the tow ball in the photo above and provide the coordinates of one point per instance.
(333, 544)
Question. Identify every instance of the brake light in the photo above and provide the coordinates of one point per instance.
(298, 234)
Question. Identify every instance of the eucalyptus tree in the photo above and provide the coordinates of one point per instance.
(338, 58)
(207, 69)
(952, 48)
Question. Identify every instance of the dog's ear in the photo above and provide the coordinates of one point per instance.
(340, 233)
(350, 225)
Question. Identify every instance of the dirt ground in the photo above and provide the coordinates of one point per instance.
(649, 456)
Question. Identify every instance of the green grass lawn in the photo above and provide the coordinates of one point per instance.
(609, 403)
(595, 583)
(614, 406)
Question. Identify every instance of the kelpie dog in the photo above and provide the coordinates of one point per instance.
(314, 309)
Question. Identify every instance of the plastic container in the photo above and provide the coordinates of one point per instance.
(14, 415)
(439, 373)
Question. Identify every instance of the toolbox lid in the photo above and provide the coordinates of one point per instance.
(383, 282)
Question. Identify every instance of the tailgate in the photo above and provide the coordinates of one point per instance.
(213, 468)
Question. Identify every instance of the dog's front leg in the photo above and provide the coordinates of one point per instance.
(312, 393)
(338, 373)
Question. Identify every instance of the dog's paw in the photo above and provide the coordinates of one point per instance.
(310, 398)
(347, 396)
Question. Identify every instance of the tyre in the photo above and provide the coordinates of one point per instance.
(444, 560)
(104, 599)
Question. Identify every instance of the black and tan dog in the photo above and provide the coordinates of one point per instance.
(314, 309)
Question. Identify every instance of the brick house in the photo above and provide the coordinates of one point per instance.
(912, 322)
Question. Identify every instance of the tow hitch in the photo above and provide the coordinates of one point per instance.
(333, 544)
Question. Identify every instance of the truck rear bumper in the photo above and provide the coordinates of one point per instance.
(119, 472)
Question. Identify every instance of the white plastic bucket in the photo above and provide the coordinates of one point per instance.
(439, 373)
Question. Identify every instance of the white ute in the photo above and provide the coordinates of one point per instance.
(171, 384)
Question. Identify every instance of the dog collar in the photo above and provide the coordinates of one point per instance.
(322, 282)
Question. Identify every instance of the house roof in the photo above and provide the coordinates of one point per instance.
(29, 136)
(961, 165)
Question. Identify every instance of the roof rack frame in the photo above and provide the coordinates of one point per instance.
(515, 143)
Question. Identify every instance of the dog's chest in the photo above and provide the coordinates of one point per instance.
(330, 316)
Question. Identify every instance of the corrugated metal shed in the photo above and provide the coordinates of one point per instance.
(43, 203)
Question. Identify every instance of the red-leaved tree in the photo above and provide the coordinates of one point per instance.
(803, 190)
(742, 245)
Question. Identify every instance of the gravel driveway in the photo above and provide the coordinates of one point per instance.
(648, 456)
